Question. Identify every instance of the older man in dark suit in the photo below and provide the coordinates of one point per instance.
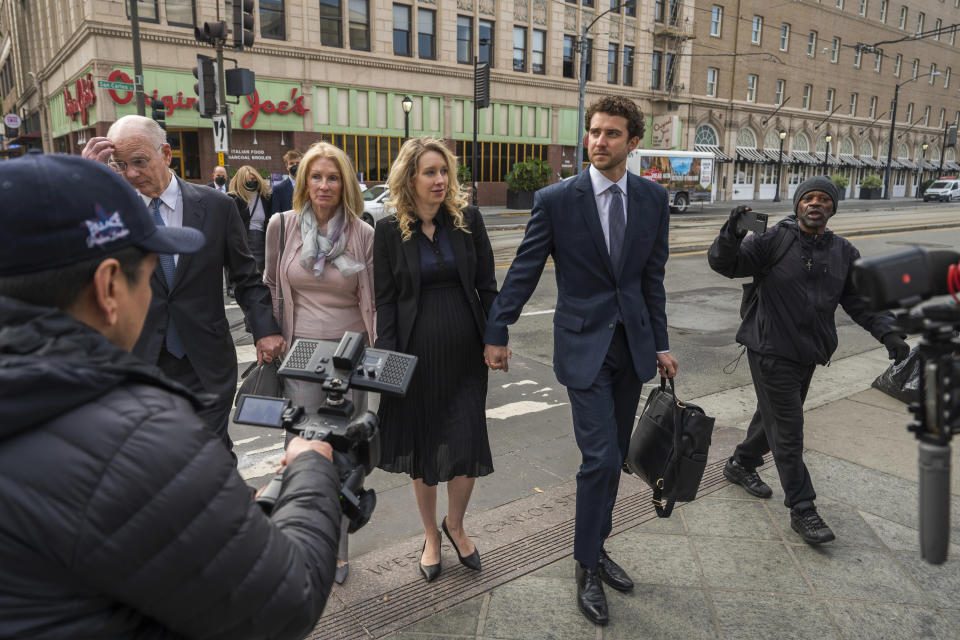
(607, 232)
(186, 332)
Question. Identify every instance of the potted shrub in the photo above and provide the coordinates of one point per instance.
(842, 182)
(871, 187)
(524, 179)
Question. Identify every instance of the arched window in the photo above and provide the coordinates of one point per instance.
(800, 142)
(772, 140)
(884, 147)
(950, 156)
(747, 138)
(706, 135)
(846, 147)
(934, 155)
(822, 144)
(904, 151)
(866, 148)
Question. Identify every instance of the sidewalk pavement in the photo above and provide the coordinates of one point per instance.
(724, 566)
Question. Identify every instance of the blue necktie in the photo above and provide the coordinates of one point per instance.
(616, 225)
(168, 266)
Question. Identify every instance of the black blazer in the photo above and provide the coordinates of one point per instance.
(396, 274)
(195, 302)
(282, 197)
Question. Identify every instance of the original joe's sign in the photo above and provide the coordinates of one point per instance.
(86, 98)
(257, 105)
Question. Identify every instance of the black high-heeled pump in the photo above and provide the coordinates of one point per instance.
(432, 571)
(472, 561)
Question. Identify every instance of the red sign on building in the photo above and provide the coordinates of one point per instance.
(86, 98)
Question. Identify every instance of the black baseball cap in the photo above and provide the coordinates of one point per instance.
(57, 210)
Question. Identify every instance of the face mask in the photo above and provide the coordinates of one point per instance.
(293, 171)
(251, 185)
(220, 180)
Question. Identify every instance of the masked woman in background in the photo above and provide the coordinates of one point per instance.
(325, 271)
(249, 187)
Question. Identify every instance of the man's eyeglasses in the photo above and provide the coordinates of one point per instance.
(140, 164)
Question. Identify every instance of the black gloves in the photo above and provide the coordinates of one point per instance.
(897, 348)
(734, 223)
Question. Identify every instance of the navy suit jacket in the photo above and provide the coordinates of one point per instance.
(565, 225)
(195, 302)
(282, 198)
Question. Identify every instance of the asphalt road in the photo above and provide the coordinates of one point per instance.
(528, 420)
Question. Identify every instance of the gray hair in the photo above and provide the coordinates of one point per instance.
(138, 125)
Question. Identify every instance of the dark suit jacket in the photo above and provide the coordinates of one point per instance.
(282, 197)
(195, 301)
(564, 224)
(396, 269)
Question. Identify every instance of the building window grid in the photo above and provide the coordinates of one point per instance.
(873, 107)
(613, 62)
(656, 70)
(273, 24)
(569, 56)
(401, 30)
(658, 11)
(897, 63)
(920, 18)
(933, 73)
(784, 37)
(712, 75)
(757, 30)
(835, 51)
(926, 116)
(146, 10)
(464, 39)
(538, 52)
(863, 8)
(519, 49)
(943, 115)
(910, 113)
(485, 44)
(946, 78)
(716, 21)
(628, 57)
(426, 34)
(359, 25)
(807, 94)
(883, 11)
(751, 88)
(182, 13)
(331, 23)
(780, 90)
(831, 93)
(857, 55)
(812, 45)
(916, 68)
(938, 25)
(877, 61)
(903, 17)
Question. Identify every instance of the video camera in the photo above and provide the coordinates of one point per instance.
(902, 281)
(355, 439)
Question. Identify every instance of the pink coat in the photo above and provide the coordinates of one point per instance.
(359, 247)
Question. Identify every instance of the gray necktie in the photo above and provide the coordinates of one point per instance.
(617, 225)
(168, 266)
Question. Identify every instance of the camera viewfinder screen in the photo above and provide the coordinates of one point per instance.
(266, 412)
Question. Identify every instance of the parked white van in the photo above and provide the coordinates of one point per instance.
(943, 190)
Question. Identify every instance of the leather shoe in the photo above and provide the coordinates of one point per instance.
(811, 527)
(590, 597)
(612, 573)
(430, 572)
(749, 479)
(471, 561)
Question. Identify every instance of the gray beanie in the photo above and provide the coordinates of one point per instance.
(817, 183)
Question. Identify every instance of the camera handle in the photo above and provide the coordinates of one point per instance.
(268, 497)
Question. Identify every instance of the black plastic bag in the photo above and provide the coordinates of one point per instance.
(902, 380)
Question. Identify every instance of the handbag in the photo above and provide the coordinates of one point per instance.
(264, 379)
(668, 449)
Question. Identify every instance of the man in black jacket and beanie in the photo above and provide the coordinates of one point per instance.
(804, 273)
(123, 515)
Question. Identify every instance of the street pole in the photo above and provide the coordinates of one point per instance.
(776, 198)
(825, 154)
(923, 161)
(893, 122)
(476, 117)
(581, 129)
(943, 150)
(224, 107)
(137, 64)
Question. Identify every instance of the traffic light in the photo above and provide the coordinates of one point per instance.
(211, 33)
(159, 113)
(242, 23)
(207, 86)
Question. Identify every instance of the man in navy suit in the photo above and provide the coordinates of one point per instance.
(607, 232)
(282, 196)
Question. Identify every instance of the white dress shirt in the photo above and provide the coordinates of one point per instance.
(171, 207)
(601, 184)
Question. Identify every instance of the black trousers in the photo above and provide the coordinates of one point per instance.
(257, 241)
(777, 425)
(217, 416)
(603, 417)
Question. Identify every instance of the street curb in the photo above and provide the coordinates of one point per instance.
(852, 234)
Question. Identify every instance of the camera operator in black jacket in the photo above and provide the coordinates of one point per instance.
(788, 332)
(123, 515)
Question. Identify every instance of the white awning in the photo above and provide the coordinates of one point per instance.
(773, 155)
(850, 160)
(751, 155)
(718, 154)
(907, 163)
(802, 157)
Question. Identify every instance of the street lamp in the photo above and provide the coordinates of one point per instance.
(893, 123)
(583, 78)
(407, 104)
(923, 161)
(826, 153)
(782, 134)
